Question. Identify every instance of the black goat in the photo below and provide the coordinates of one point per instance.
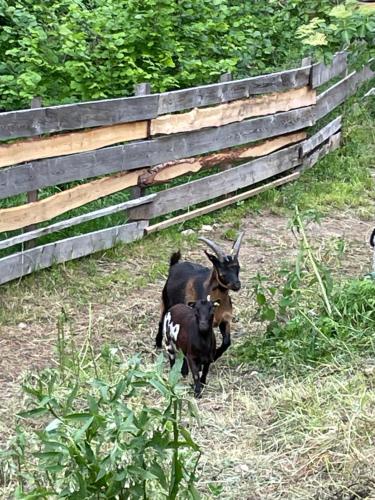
(188, 328)
(189, 282)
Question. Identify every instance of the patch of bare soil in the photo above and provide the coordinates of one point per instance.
(234, 464)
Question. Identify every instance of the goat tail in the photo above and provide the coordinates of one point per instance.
(372, 238)
(175, 257)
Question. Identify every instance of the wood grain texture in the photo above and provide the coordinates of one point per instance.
(23, 263)
(54, 171)
(322, 73)
(66, 144)
(28, 123)
(210, 187)
(233, 112)
(48, 208)
(220, 204)
(206, 95)
(315, 140)
(74, 221)
(167, 171)
(338, 93)
(311, 159)
(31, 122)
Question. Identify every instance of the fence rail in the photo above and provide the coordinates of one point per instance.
(254, 130)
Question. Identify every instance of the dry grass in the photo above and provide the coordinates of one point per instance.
(262, 436)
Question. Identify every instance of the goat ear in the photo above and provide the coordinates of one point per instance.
(215, 261)
(191, 304)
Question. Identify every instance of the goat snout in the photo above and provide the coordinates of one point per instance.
(204, 326)
(236, 286)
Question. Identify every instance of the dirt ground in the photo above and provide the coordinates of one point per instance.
(237, 408)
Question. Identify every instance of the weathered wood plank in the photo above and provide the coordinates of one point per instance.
(336, 95)
(234, 111)
(66, 144)
(322, 73)
(220, 204)
(28, 123)
(167, 171)
(321, 136)
(178, 100)
(60, 203)
(23, 263)
(54, 171)
(59, 226)
(210, 187)
(31, 122)
(311, 159)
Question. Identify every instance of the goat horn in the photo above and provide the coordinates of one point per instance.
(219, 252)
(237, 245)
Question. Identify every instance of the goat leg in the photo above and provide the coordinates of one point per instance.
(195, 369)
(206, 367)
(224, 327)
(185, 368)
(159, 336)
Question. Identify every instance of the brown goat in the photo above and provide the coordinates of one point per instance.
(188, 328)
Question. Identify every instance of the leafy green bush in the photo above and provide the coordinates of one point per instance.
(312, 317)
(347, 27)
(70, 50)
(94, 429)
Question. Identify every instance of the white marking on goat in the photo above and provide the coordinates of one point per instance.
(169, 328)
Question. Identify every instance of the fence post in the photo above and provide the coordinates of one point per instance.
(32, 196)
(225, 77)
(141, 89)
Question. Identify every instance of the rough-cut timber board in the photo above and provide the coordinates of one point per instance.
(315, 140)
(220, 204)
(167, 171)
(27, 123)
(335, 95)
(59, 226)
(233, 112)
(332, 144)
(210, 187)
(48, 208)
(322, 73)
(31, 122)
(66, 144)
(178, 100)
(43, 173)
(23, 263)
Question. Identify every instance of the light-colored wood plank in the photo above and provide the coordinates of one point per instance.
(23, 263)
(321, 136)
(213, 186)
(59, 226)
(168, 171)
(66, 144)
(234, 111)
(220, 204)
(138, 154)
(28, 123)
(48, 208)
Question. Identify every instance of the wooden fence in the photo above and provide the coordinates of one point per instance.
(141, 141)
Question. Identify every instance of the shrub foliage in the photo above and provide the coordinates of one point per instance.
(71, 50)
